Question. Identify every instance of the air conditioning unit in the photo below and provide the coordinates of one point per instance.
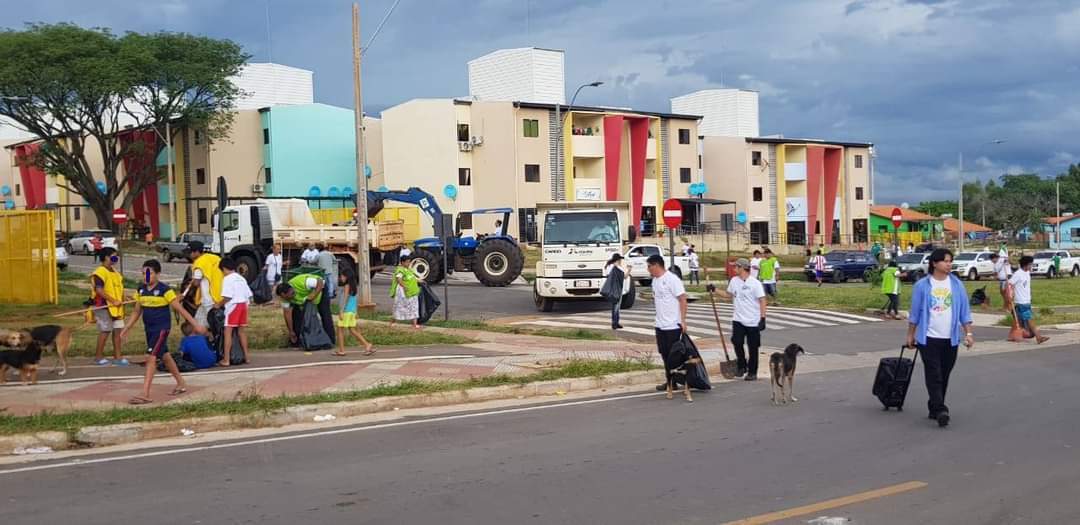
(465, 146)
(476, 141)
(258, 188)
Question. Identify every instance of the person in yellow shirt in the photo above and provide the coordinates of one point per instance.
(107, 299)
(206, 277)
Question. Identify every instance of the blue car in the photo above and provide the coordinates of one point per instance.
(842, 266)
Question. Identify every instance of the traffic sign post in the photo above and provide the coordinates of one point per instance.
(897, 217)
(119, 217)
(672, 219)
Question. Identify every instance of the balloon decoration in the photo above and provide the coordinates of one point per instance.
(9, 204)
(348, 191)
(450, 191)
(102, 187)
(367, 170)
(741, 217)
(698, 188)
(383, 189)
(314, 191)
(5, 190)
(333, 191)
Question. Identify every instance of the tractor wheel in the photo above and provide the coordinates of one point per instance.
(498, 262)
(544, 304)
(428, 266)
(629, 298)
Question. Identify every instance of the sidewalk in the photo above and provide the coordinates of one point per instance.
(297, 373)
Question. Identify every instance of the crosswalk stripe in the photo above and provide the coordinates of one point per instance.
(725, 317)
(726, 313)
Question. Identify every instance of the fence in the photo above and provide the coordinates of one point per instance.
(28, 258)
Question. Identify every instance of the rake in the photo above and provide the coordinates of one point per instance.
(727, 367)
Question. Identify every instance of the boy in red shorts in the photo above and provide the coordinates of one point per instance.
(235, 295)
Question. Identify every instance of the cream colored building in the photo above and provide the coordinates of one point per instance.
(485, 154)
(788, 191)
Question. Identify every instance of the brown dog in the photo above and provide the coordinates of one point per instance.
(50, 336)
(782, 369)
(26, 361)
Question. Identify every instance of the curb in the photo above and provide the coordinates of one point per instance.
(127, 433)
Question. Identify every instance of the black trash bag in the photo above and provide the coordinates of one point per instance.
(612, 290)
(312, 334)
(261, 291)
(696, 374)
(183, 365)
(215, 324)
(429, 302)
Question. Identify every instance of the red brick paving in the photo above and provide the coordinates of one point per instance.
(307, 380)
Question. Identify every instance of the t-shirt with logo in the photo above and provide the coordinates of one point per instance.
(666, 292)
(941, 305)
(155, 301)
(747, 299)
(1021, 283)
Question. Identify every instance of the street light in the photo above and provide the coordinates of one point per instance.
(558, 137)
(960, 176)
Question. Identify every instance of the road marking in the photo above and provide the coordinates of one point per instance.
(236, 444)
(814, 508)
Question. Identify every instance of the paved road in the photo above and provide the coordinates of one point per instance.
(1009, 457)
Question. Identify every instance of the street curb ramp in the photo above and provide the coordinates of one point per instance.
(127, 433)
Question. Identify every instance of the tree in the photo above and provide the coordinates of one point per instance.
(937, 208)
(77, 88)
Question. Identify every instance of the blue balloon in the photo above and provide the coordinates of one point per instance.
(102, 187)
(383, 189)
(367, 170)
(741, 217)
(5, 190)
(314, 191)
(348, 191)
(9, 204)
(333, 192)
(450, 191)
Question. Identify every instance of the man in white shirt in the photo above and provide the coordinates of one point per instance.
(310, 255)
(748, 296)
(1020, 283)
(669, 299)
(274, 265)
(235, 295)
(686, 249)
(755, 264)
(695, 267)
(1002, 271)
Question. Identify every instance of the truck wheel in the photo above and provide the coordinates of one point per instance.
(1050, 273)
(867, 275)
(498, 262)
(1075, 271)
(973, 275)
(544, 304)
(247, 266)
(428, 266)
(629, 298)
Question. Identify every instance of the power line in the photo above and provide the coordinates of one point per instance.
(380, 26)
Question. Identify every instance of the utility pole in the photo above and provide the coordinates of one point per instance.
(362, 260)
(960, 175)
(172, 180)
(1057, 225)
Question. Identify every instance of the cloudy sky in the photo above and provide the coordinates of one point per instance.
(922, 79)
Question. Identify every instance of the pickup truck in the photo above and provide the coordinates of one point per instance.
(179, 249)
(1044, 264)
(972, 265)
(637, 254)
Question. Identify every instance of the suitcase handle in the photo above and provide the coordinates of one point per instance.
(903, 347)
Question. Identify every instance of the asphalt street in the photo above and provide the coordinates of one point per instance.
(1010, 456)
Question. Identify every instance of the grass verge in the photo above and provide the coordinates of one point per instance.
(470, 324)
(71, 422)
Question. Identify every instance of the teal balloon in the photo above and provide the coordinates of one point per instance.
(102, 187)
(9, 204)
(5, 190)
(450, 191)
(383, 189)
(314, 191)
(348, 191)
(741, 217)
(367, 170)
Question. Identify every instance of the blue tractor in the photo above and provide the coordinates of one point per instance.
(495, 259)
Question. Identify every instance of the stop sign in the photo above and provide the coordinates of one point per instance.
(897, 217)
(119, 216)
(672, 213)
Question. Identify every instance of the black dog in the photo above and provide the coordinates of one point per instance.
(680, 362)
(26, 361)
(782, 369)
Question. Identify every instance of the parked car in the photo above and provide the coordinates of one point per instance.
(179, 249)
(61, 254)
(637, 254)
(973, 265)
(842, 266)
(1044, 263)
(913, 265)
(80, 242)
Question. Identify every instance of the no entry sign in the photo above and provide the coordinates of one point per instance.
(897, 217)
(672, 213)
(119, 216)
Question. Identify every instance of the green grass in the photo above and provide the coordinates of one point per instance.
(470, 324)
(252, 403)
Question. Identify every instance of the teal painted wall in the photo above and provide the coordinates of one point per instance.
(310, 145)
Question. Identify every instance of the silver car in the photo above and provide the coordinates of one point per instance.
(61, 255)
(80, 242)
(913, 265)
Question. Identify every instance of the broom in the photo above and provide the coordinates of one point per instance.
(727, 367)
(1017, 332)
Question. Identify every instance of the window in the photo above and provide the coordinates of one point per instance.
(464, 177)
(200, 176)
(18, 190)
(202, 216)
(463, 132)
(266, 173)
(531, 127)
(699, 162)
(759, 194)
(1075, 234)
(684, 136)
(230, 220)
(755, 158)
(266, 135)
(532, 173)
(78, 213)
(858, 193)
(464, 221)
(858, 161)
(684, 175)
(198, 137)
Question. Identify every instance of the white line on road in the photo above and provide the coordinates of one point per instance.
(79, 462)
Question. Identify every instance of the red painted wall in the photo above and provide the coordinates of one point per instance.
(145, 206)
(613, 128)
(832, 182)
(639, 141)
(815, 168)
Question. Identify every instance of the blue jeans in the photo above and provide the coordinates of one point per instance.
(615, 307)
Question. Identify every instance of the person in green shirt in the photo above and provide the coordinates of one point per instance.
(298, 291)
(405, 289)
(890, 286)
(875, 250)
(767, 274)
(1057, 265)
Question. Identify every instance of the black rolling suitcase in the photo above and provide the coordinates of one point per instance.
(893, 379)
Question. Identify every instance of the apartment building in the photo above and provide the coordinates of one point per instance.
(790, 191)
(475, 154)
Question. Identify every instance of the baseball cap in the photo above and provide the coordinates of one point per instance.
(742, 263)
